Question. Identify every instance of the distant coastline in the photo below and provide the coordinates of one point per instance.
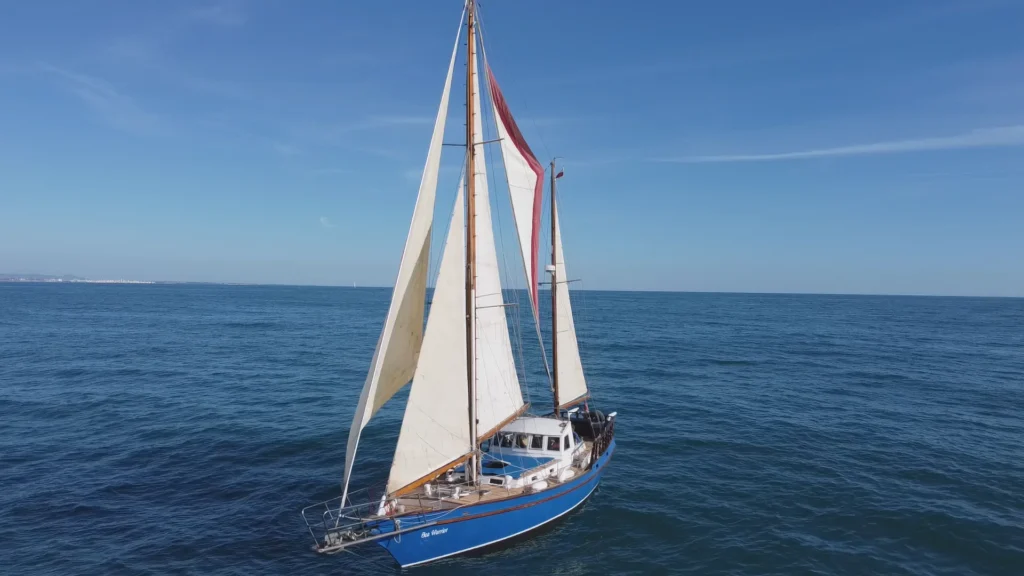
(66, 278)
(70, 279)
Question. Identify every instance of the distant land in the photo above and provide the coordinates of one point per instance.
(7, 278)
(65, 278)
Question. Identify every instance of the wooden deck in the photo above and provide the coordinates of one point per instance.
(418, 501)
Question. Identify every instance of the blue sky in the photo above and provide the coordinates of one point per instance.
(795, 146)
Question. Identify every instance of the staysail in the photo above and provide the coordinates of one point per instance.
(572, 386)
(435, 428)
(398, 347)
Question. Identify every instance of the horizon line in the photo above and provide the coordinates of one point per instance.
(644, 290)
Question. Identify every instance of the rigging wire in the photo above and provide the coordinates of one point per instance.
(580, 296)
(517, 319)
(515, 296)
(433, 271)
(575, 295)
(535, 320)
(526, 107)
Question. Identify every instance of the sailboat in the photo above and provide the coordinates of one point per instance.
(473, 466)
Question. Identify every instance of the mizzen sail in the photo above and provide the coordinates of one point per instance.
(572, 386)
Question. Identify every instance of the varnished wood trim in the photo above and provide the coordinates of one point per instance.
(502, 424)
(521, 506)
(575, 401)
(428, 477)
(582, 481)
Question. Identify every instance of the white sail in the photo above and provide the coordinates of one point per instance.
(525, 178)
(498, 392)
(398, 346)
(435, 429)
(571, 383)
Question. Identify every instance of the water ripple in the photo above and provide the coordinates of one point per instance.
(178, 429)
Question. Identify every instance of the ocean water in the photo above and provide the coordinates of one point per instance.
(180, 429)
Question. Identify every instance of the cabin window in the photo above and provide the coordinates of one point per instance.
(538, 442)
(498, 481)
(553, 443)
(565, 442)
(505, 439)
(522, 441)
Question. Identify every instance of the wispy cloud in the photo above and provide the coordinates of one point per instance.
(545, 121)
(228, 14)
(349, 135)
(138, 49)
(379, 121)
(1003, 136)
(9, 67)
(336, 131)
(285, 149)
(329, 171)
(416, 174)
(148, 54)
(598, 160)
(114, 106)
(326, 222)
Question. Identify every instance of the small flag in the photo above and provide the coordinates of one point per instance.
(560, 173)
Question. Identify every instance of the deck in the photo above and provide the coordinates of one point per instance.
(419, 501)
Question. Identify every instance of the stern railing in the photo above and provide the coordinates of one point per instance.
(602, 440)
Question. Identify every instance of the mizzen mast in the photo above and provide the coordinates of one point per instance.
(554, 294)
(471, 465)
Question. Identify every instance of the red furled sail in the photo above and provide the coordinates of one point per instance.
(526, 185)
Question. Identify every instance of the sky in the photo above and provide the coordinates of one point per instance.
(741, 145)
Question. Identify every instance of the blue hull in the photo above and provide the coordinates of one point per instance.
(475, 526)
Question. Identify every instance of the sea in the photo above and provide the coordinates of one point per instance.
(179, 429)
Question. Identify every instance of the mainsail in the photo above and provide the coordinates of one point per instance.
(435, 428)
(398, 347)
(572, 386)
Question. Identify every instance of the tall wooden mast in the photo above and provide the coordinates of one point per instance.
(554, 295)
(471, 242)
